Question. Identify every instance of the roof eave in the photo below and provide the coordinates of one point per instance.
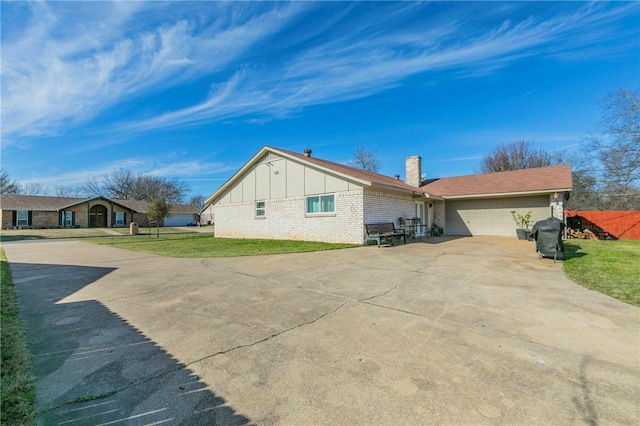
(505, 194)
(323, 168)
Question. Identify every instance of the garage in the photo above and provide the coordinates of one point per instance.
(180, 219)
(492, 216)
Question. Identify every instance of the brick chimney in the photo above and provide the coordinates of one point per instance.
(414, 170)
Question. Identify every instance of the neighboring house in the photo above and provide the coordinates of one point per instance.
(281, 194)
(30, 211)
(206, 215)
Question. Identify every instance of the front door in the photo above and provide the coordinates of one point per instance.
(98, 217)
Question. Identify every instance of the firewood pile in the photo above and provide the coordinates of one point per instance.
(585, 234)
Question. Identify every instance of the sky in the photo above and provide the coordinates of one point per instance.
(192, 90)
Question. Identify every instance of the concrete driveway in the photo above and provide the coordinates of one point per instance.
(459, 331)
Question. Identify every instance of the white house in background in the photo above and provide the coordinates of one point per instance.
(281, 194)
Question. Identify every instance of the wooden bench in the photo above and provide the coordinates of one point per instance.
(383, 231)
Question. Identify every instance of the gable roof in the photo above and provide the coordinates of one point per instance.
(36, 202)
(46, 203)
(536, 180)
(363, 176)
(527, 181)
(357, 175)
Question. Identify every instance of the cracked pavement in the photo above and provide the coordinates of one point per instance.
(453, 331)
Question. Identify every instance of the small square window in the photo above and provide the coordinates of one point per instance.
(260, 209)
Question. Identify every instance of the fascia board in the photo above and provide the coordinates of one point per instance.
(324, 169)
(252, 161)
(505, 194)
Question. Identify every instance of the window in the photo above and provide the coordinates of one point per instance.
(260, 209)
(68, 219)
(22, 218)
(321, 204)
(119, 218)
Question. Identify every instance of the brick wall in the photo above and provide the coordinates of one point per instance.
(413, 171)
(51, 219)
(387, 207)
(286, 219)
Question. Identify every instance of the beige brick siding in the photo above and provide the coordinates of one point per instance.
(413, 170)
(51, 219)
(387, 207)
(286, 219)
(38, 220)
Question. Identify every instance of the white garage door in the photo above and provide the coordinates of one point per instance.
(492, 216)
(179, 220)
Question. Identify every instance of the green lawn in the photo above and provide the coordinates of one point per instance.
(204, 245)
(17, 391)
(610, 267)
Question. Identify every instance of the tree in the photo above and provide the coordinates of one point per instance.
(32, 188)
(516, 155)
(584, 194)
(8, 185)
(365, 159)
(159, 209)
(617, 150)
(122, 184)
(197, 201)
(93, 188)
(68, 191)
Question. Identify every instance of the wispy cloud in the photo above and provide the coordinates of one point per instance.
(365, 61)
(68, 67)
(159, 166)
(60, 72)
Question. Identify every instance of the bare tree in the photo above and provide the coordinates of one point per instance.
(124, 185)
(93, 188)
(68, 191)
(618, 150)
(365, 159)
(197, 201)
(585, 194)
(516, 155)
(32, 188)
(8, 185)
(119, 185)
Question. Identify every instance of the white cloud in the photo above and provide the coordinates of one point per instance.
(59, 73)
(365, 61)
(68, 67)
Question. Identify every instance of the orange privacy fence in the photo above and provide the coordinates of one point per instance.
(624, 225)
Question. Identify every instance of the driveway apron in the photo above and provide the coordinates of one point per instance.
(447, 331)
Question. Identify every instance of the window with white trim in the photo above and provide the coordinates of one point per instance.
(260, 209)
(22, 218)
(68, 218)
(321, 204)
(119, 218)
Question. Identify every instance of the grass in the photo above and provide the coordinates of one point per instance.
(203, 245)
(40, 234)
(17, 390)
(610, 267)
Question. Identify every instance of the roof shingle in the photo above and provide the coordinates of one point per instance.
(554, 178)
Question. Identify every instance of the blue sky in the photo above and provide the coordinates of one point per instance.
(191, 90)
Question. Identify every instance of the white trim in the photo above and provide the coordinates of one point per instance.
(505, 194)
